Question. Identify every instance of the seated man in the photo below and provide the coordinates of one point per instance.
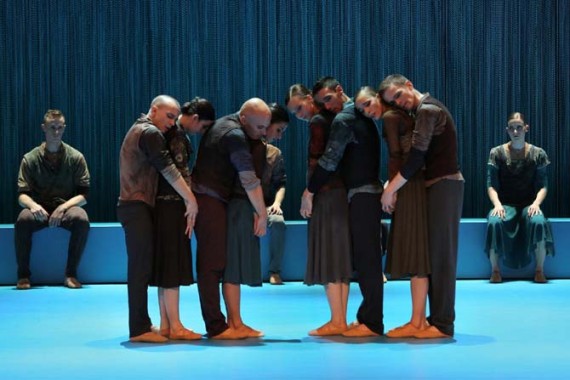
(273, 183)
(53, 183)
(517, 185)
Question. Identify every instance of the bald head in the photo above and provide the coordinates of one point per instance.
(162, 100)
(255, 116)
(163, 112)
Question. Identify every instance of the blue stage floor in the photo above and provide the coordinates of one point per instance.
(515, 330)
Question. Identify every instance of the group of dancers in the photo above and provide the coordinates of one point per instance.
(235, 189)
(222, 202)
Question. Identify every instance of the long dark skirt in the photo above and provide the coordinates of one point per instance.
(172, 256)
(329, 251)
(516, 237)
(408, 236)
(244, 259)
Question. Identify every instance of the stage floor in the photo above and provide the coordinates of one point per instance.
(514, 330)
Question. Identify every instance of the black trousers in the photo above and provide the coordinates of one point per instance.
(211, 257)
(444, 202)
(74, 220)
(365, 229)
(137, 221)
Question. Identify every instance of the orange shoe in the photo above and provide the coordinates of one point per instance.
(431, 332)
(405, 331)
(23, 284)
(251, 332)
(230, 334)
(157, 330)
(496, 277)
(539, 277)
(184, 334)
(72, 283)
(149, 337)
(359, 331)
(328, 329)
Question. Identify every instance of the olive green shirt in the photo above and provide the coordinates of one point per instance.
(51, 182)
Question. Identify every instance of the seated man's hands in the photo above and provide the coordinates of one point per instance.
(57, 215)
(39, 213)
(274, 209)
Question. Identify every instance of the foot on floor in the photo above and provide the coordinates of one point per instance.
(405, 331)
(230, 334)
(23, 284)
(496, 277)
(250, 332)
(165, 332)
(184, 334)
(431, 332)
(328, 329)
(149, 337)
(72, 283)
(359, 331)
(539, 277)
(275, 279)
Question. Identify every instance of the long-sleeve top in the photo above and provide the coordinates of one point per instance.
(354, 146)
(223, 154)
(434, 142)
(397, 132)
(517, 181)
(180, 150)
(143, 156)
(52, 181)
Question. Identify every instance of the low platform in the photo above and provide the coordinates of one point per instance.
(105, 258)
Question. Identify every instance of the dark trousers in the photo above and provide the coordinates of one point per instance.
(276, 228)
(137, 221)
(74, 220)
(211, 256)
(444, 202)
(364, 213)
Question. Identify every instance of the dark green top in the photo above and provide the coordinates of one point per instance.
(50, 179)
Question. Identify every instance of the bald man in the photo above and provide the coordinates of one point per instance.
(224, 156)
(144, 156)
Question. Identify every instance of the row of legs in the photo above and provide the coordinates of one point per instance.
(136, 218)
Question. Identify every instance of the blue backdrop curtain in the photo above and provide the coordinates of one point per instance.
(102, 61)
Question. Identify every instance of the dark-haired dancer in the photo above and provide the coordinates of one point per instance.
(408, 239)
(517, 185)
(173, 257)
(328, 255)
(354, 148)
(434, 144)
(273, 181)
(144, 156)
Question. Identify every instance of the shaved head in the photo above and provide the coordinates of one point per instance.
(165, 100)
(255, 116)
(163, 112)
(255, 105)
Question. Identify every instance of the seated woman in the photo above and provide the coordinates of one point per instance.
(517, 186)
